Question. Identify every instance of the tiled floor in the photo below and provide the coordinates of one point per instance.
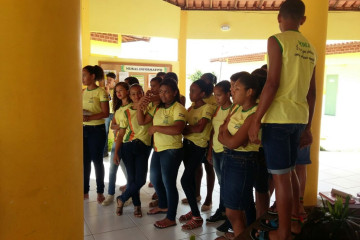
(337, 170)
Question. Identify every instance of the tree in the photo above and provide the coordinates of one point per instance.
(195, 76)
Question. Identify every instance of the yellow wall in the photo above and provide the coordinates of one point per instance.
(157, 18)
(343, 26)
(154, 18)
(260, 25)
(244, 25)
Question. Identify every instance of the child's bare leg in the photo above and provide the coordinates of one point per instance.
(237, 219)
(295, 225)
(283, 193)
(262, 203)
(301, 173)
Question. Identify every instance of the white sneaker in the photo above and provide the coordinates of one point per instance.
(108, 200)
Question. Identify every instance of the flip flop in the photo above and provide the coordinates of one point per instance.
(272, 224)
(263, 235)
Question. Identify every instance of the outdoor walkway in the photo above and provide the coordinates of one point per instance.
(340, 170)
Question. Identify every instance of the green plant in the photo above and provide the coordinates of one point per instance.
(192, 237)
(331, 222)
(110, 143)
(195, 76)
(339, 211)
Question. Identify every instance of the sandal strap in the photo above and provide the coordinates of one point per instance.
(298, 219)
(195, 222)
(186, 217)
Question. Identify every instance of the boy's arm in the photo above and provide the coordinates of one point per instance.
(306, 138)
(270, 88)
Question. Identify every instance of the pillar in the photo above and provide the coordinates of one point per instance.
(85, 33)
(182, 52)
(315, 30)
(41, 193)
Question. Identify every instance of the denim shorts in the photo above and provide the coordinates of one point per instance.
(281, 146)
(262, 176)
(237, 179)
(303, 156)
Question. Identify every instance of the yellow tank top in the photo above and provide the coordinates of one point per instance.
(236, 121)
(298, 62)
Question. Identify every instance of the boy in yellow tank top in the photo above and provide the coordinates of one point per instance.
(286, 108)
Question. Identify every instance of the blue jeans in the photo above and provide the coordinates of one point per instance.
(113, 171)
(107, 125)
(218, 161)
(238, 177)
(93, 145)
(281, 146)
(135, 155)
(193, 156)
(164, 169)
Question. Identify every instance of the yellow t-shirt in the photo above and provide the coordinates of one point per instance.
(167, 117)
(298, 62)
(91, 103)
(119, 114)
(193, 116)
(133, 129)
(211, 100)
(218, 119)
(111, 101)
(236, 121)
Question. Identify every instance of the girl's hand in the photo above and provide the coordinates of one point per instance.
(116, 159)
(306, 138)
(254, 132)
(209, 158)
(116, 132)
(152, 130)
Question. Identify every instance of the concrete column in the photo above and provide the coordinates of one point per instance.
(182, 52)
(41, 193)
(315, 29)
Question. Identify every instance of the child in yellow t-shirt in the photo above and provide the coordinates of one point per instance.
(121, 101)
(95, 109)
(240, 156)
(109, 88)
(168, 120)
(216, 149)
(196, 137)
(134, 142)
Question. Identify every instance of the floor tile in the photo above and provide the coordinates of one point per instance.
(128, 234)
(87, 231)
(172, 233)
(89, 237)
(109, 222)
(93, 209)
